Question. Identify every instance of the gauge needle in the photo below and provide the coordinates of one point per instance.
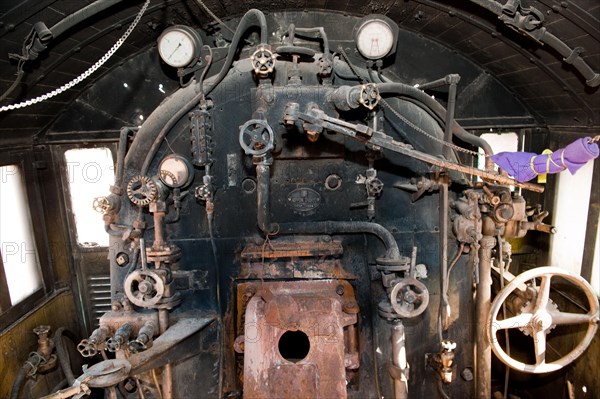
(375, 45)
(176, 48)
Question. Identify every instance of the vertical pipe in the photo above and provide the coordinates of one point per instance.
(399, 360)
(483, 360)
(159, 234)
(167, 372)
(121, 152)
(453, 79)
(112, 392)
(520, 147)
(443, 215)
(262, 198)
(444, 202)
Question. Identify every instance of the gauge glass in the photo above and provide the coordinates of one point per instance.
(177, 47)
(175, 171)
(374, 39)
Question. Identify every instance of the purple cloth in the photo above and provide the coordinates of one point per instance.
(524, 166)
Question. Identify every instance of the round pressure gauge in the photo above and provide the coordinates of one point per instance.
(176, 171)
(375, 39)
(179, 45)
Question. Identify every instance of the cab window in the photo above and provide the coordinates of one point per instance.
(20, 265)
(90, 172)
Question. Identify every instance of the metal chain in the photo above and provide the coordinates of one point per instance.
(432, 137)
(404, 119)
(87, 73)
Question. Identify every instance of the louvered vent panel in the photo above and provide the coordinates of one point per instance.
(99, 291)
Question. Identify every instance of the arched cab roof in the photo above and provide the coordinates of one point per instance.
(545, 56)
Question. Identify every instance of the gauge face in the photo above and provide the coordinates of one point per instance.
(374, 39)
(178, 46)
(175, 171)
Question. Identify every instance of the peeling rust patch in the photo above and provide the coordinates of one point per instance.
(296, 249)
(296, 259)
(323, 311)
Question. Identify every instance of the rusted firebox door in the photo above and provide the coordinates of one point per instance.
(299, 336)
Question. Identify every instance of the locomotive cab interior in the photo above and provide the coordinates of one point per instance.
(321, 199)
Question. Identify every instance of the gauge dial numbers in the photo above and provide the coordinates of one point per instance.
(375, 38)
(179, 46)
(175, 171)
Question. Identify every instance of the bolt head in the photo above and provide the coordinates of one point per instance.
(122, 259)
(410, 296)
(467, 374)
(144, 287)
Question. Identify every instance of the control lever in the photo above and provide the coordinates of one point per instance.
(418, 187)
(105, 374)
(316, 117)
(537, 215)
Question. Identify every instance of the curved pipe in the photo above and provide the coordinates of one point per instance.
(401, 89)
(20, 380)
(148, 140)
(112, 232)
(326, 227)
(320, 30)
(571, 56)
(63, 354)
(185, 99)
(343, 70)
(243, 26)
(429, 112)
(121, 152)
(353, 227)
(262, 22)
(79, 16)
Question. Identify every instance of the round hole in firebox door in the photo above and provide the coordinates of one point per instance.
(294, 346)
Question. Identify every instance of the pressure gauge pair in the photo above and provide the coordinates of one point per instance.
(179, 46)
(375, 36)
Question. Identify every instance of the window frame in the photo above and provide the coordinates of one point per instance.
(78, 251)
(25, 160)
(73, 233)
(66, 192)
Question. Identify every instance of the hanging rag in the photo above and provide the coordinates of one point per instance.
(524, 166)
